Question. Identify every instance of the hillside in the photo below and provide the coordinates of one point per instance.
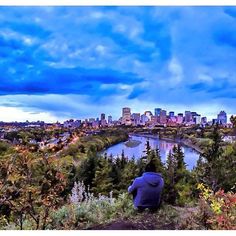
(167, 218)
(51, 192)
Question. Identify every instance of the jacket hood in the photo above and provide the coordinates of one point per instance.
(152, 178)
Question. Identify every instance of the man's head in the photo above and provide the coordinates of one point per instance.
(150, 167)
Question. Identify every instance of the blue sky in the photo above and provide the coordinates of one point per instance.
(77, 62)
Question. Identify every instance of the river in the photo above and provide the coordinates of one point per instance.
(190, 156)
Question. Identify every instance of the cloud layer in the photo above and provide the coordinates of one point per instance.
(81, 61)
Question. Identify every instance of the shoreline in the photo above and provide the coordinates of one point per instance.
(144, 135)
(105, 148)
(183, 142)
(194, 147)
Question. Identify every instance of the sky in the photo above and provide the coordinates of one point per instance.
(58, 63)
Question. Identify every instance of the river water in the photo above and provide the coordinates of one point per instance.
(190, 156)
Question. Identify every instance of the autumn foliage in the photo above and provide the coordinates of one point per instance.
(218, 210)
(30, 189)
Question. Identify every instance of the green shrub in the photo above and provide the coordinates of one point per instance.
(85, 210)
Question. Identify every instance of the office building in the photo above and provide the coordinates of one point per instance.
(126, 116)
(109, 119)
(180, 118)
(222, 118)
(163, 118)
(144, 119)
(214, 121)
(91, 120)
(197, 119)
(204, 120)
(103, 116)
(135, 118)
(157, 111)
(171, 114)
(188, 116)
(148, 114)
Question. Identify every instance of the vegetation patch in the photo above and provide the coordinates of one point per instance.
(79, 189)
(132, 143)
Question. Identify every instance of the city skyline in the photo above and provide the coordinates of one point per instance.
(59, 63)
(129, 116)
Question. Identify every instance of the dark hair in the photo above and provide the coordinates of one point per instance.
(150, 167)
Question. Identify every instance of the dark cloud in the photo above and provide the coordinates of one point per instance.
(231, 11)
(226, 37)
(27, 29)
(147, 55)
(67, 81)
(136, 92)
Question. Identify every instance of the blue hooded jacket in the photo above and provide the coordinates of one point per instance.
(147, 190)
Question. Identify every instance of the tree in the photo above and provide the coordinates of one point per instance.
(148, 148)
(31, 188)
(178, 179)
(128, 174)
(212, 162)
(81, 148)
(155, 158)
(233, 121)
(88, 168)
(141, 163)
(123, 160)
(224, 172)
(202, 133)
(69, 170)
(170, 178)
(102, 182)
(4, 147)
(227, 171)
(180, 164)
(115, 175)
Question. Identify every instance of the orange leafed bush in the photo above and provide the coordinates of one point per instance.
(218, 209)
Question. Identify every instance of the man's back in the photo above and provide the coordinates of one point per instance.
(147, 190)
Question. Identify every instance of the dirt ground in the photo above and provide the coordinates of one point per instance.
(148, 221)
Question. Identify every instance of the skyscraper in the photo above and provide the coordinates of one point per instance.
(204, 120)
(171, 114)
(109, 119)
(144, 119)
(148, 114)
(103, 116)
(188, 116)
(197, 119)
(157, 111)
(180, 118)
(126, 116)
(222, 118)
(136, 118)
(103, 121)
(163, 119)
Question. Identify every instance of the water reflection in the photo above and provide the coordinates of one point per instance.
(164, 146)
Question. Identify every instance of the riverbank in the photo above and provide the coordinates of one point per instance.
(95, 143)
(164, 145)
(191, 145)
(144, 135)
(183, 142)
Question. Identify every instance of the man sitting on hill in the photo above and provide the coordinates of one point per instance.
(147, 189)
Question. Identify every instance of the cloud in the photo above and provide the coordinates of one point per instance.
(231, 11)
(67, 81)
(226, 37)
(136, 92)
(89, 59)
